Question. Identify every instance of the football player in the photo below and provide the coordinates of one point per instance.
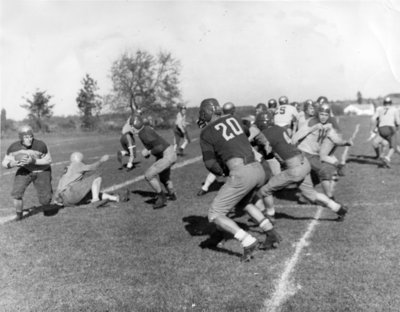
(296, 169)
(309, 139)
(165, 156)
(82, 182)
(389, 121)
(307, 113)
(128, 144)
(272, 106)
(33, 160)
(227, 151)
(261, 107)
(180, 131)
(286, 116)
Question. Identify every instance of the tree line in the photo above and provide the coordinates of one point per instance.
(140, 81)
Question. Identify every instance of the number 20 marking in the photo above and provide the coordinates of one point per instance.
(233, 130)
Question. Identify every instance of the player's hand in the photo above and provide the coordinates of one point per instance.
(317, 127)
(27, 160)
(145, 153)
(104, 158)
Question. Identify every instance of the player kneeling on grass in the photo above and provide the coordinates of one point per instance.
(81, 184)
(226, 151)
(165, 156)
(33, 159)
(128, 144)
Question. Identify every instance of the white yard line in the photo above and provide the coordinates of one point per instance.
(285, 286)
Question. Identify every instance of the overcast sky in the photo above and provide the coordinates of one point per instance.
(244, 52)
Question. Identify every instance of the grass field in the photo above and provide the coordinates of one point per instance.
(129, 257)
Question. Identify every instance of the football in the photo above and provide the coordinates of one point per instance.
(22, 157)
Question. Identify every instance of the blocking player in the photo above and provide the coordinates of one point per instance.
(286, 116)
(389, 121)
(165, 156)
(296, 169)
(81, 184)
(180, 131)
(227, 151)
(33, 160)
(307, 113)
(309, 139)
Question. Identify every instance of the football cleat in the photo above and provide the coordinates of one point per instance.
(19, 216)
(385, 162)
(340, 170)
(341, 214)
(248, 252)
(102, 203)
(124, 196)
(201, 192)
(272, 240)
(180, 151)
(160, 202)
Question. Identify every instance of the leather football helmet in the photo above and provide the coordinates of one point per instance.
(76, 157)
(208, 108)
(325, 108)
(24, 130)
(272, 104)
(265, 120)
(387, 101)
(322, 99)
(228, 108)
(283, 100)
(137, 122)
(261, 107)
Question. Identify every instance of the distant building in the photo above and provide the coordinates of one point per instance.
(360, 109)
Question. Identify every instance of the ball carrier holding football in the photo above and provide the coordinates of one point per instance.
(33, 160)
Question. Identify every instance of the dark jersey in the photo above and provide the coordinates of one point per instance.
(280, 142)
(153, 141)
(222, 140)
(37, 150)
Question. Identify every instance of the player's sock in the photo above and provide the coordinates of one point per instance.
(245, 238)
(266, 225)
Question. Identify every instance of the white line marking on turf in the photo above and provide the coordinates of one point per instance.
(285, 287)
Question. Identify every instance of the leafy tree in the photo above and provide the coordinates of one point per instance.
(39, 109)
(89, 103)
(359, 97)
(144, 81)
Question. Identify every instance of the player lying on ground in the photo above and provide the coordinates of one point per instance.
(81, 184)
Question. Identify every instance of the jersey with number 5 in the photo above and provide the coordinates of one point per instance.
(225, 139)
(285, 115)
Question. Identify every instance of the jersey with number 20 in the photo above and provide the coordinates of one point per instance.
(226, 139)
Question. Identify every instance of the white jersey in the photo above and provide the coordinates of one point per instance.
(285, 115)
(387, 116)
